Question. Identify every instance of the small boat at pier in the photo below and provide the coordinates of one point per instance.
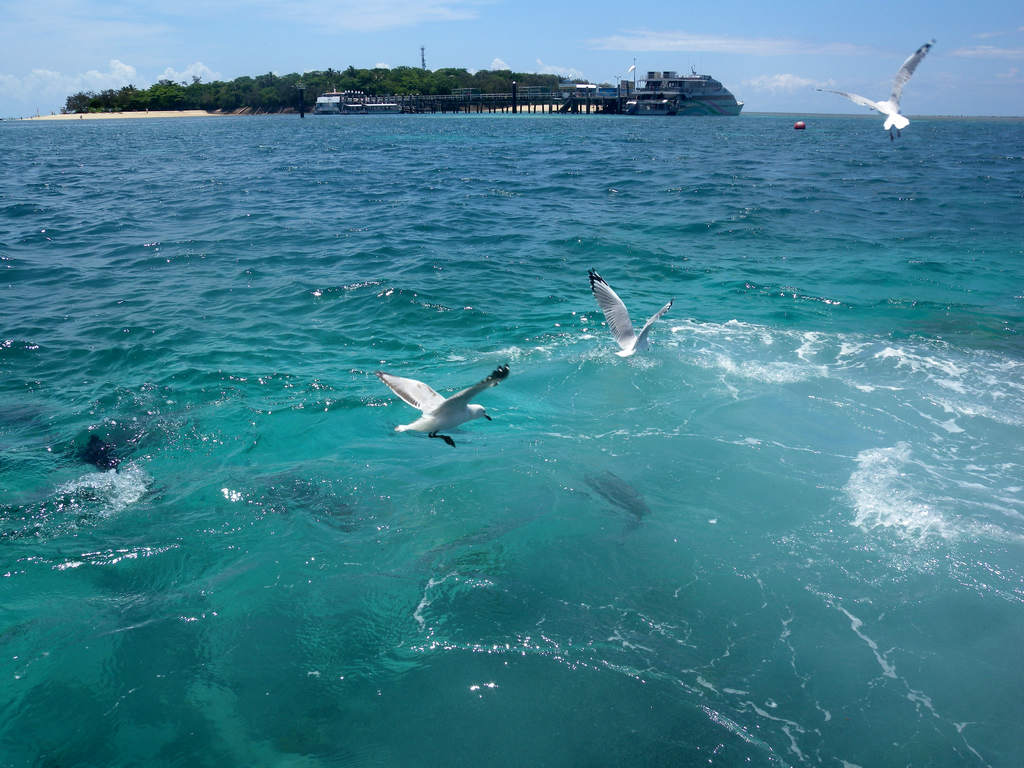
(353, 103)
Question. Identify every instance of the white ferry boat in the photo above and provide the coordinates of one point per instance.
(353, 103)
(669, 93)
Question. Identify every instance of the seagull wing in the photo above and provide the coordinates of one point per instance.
(907, 70)
(615, 311)
(642, 336)
(415, 393)
(855, 98)
(498, 375)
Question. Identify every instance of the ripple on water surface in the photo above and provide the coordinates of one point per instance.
(789, 534)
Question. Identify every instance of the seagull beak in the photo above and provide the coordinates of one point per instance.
(488, 417)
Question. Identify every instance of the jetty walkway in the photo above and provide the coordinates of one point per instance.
(576, 98)
(598, 101)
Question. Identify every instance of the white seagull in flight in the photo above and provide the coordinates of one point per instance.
(617, 315)
(891, 108)
(439, 412)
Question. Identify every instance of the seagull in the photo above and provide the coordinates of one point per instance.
(891, 108)
(439, 412)
(617, 315)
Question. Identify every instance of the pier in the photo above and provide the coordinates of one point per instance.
(572, 98)
(543, 103)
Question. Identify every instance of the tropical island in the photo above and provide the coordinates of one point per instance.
(271, 93)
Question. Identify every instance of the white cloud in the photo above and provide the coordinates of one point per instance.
(570, 73)
(33, 27)
(649, 40)
(196, 69)
(381, 65)
(499, 64)
(44, 86)
(989, 52)
(787, 83)
(1010, 74)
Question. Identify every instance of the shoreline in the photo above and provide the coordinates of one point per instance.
(523, 109)
(131, 115)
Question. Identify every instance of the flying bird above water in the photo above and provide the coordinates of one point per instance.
(891, 108)
(617, 315)
(440, 412)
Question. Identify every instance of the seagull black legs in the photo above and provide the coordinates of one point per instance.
(443, 437)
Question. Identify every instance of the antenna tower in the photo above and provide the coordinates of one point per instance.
(423, 57)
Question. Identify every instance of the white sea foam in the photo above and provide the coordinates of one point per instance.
(883, 496)
(718, 329)
(426, 600)
(108, 493)
(937, 407)
(767, 372)
(512, 353)
(893, 490)
(975, 382)
(918, 361)
(850, 349)
(855, 624)
(744, 351)
(705, 684)
(741, 731)
(997, 412)
(812, 344)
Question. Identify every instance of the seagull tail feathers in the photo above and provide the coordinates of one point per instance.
(897, 121)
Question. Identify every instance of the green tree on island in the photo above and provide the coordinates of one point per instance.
(276, 93)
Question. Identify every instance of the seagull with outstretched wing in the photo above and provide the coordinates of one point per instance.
(617, 315)
(891, 108)
(440, 412)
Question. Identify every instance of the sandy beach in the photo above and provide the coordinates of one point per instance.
(131, 115)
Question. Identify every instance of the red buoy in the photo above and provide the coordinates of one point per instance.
(799, 125)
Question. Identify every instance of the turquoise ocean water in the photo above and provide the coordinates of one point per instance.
(790, 534)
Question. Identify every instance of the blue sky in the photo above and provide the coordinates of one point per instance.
(772, 56)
